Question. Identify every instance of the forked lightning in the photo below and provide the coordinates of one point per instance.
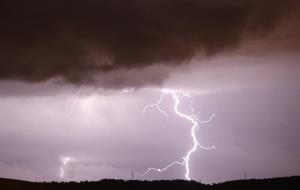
(193, 118)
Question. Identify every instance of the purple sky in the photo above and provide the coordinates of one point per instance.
(71, 88)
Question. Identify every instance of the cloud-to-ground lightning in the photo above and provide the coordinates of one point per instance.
(193, 118)
(64, 161)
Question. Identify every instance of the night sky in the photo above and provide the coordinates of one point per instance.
(76, 75)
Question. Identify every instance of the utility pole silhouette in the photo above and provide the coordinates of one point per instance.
(132, 175)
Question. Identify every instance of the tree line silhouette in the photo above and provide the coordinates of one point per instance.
(251, 184)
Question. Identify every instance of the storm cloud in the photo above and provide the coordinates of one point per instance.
(86, 42)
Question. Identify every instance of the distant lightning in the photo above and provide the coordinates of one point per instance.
(75, 98)
(73, 102)
(128, 90)
(193, 118)
(64, 161)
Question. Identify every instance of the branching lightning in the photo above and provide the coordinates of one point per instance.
(157, 106)
(193, 118)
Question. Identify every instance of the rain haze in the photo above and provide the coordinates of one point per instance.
(76, 79)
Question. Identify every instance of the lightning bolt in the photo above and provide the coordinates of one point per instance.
(64, 162)
(73, 102)
(192, 118)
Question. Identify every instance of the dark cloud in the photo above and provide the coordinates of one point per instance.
(79, 40)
